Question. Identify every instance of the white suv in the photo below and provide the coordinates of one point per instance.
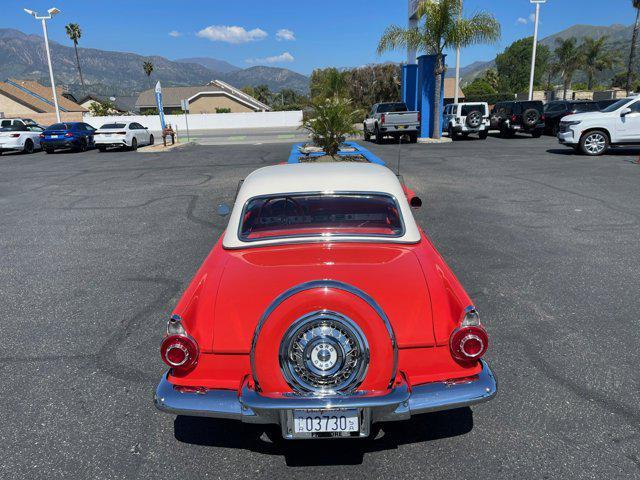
(593, 133)
(465, 118)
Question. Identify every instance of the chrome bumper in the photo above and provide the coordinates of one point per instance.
(399, 404)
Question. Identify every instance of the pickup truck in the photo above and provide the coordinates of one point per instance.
(391, 119)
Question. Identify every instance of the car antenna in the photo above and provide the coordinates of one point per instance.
(399, 150)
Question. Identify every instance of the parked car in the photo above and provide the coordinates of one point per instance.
(8, 122)
(78, 136)
(556, 110)
(602, 104)
(333, 339)
(466, 118)
(391, 119)
(122, 134)
(592, 133)
(518, 116)
(20, 138)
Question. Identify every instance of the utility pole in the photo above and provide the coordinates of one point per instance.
(535, 45)
(51, 12)
(455, 95)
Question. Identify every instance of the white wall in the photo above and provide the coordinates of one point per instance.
(208, 121)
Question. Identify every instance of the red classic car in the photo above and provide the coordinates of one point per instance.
(324, 308)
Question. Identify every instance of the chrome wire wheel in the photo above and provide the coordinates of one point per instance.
(324, 353)
(595, 143)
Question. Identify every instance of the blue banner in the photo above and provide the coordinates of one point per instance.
(159, 105)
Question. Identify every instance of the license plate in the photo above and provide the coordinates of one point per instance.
(54, 136)
(326, 421)
(402, 126)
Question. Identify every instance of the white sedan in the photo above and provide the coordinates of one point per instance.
(128, 135)
(20, 138)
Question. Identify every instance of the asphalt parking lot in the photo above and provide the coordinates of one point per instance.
(97, 248)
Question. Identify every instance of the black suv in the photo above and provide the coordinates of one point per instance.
(554, 111)
(516, 116)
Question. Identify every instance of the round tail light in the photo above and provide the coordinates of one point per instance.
(469, 343)
(180, 352)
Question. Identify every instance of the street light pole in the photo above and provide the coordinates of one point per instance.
(44, 18)
(535, 45)
(457, 87)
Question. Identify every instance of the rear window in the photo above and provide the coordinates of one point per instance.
(14, 128)
(522, 106)
(391, 107)
(59, 126)
(584, 107)
(467, 109)
(113, 125)
(321, 215)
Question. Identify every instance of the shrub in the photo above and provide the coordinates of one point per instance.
(331, 121)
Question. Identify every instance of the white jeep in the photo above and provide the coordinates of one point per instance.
(465, 118)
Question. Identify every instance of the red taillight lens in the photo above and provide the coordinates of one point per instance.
(513, 118)
(542, 117)
(180, 352)
(419, 117)
(14, 135)
(68, 134)
(121, 133)
(382, 119)
(469, 343)
(41, 135)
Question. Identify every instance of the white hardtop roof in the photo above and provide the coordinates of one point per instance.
(326, 178)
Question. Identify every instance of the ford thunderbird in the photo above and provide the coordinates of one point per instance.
(323, 309)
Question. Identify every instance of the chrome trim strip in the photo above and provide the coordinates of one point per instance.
(325, 284)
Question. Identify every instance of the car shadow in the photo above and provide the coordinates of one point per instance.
(613, 152)
(266, 439)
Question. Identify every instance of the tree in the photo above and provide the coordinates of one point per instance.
(514, 65)
(328, 82)
(74, 33)
(331, 121)
(101, 109)
(634, 44)
(596, 58)
(148, 69)
(569, 59)
(442, 27)
(491, 77)
(479, 87)
(262, 94)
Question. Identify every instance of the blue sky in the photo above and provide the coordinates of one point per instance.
(312, 33)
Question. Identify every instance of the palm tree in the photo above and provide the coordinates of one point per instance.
(569, 60)
(634, 41)
(442, 27)
(148, 68)
(74, 33)
(596, 58)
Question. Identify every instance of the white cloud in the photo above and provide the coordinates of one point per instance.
(231, 34)
(285, 57)
(523, 21)
(285, 35)
(175, 33)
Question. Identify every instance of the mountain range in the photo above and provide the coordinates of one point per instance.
(619, 39)
(108, 73)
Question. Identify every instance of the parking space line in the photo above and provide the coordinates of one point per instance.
(237, 137)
